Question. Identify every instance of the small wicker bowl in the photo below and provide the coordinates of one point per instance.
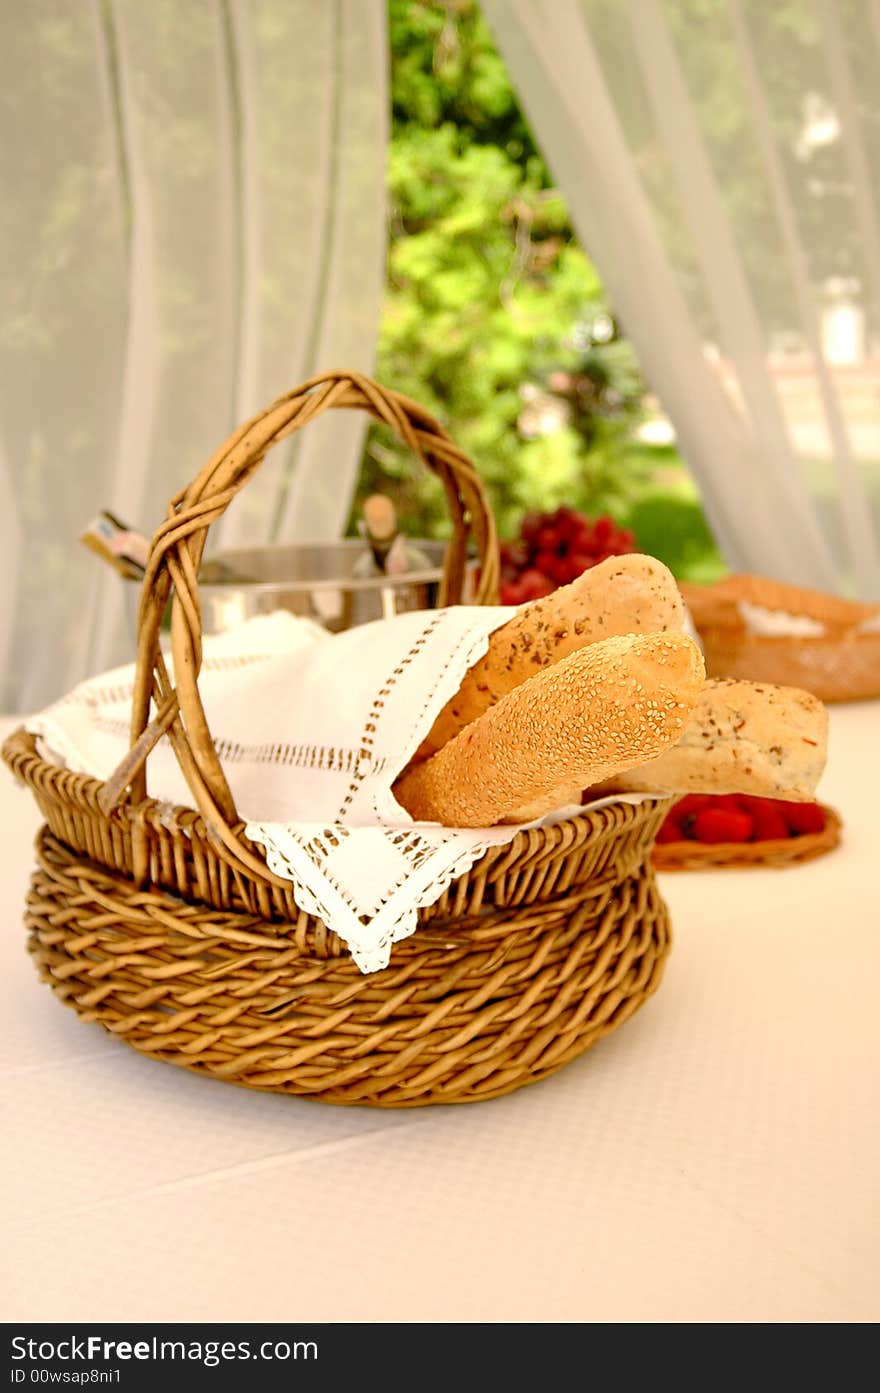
(789, 851)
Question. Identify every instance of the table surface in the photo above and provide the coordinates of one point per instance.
(716, 1159)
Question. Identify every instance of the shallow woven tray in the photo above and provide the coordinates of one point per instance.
(164, 925)
(789, 851)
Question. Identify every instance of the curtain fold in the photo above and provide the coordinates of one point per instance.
(720, 159)
(195, 221)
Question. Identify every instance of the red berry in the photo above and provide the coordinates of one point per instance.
(690, 804)
(514, 554)
(510, 592)
(559, 571)
(579, 562)
(572, 525)
(534, 585)
(804, 818)
(669, 832)
(563, 570)
(715, 825)
(544, 562)
(768, 824)
(547, 538)
(530, 525)
(603, 530)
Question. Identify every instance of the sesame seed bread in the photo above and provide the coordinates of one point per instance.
(603, 709)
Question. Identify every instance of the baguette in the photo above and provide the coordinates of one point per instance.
(707, 602)
(623, 595)
(605, 708)
(741, 737)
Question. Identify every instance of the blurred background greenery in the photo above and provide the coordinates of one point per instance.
(495, 318)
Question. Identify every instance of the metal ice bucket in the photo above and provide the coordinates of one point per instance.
(327, 582)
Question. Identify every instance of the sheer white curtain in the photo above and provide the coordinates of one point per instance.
(193, 222)
(721, 159)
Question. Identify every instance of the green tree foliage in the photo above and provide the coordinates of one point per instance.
(494, 316)
(488, 291)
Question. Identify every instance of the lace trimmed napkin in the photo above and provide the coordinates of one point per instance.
(312, 729)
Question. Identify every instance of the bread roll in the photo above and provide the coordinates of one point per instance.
(623, 595)
(833, 611)
(603, 709)
(741, 737)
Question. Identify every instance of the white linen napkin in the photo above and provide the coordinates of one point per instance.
(312, 729)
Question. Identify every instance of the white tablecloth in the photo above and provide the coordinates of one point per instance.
(715, 1159)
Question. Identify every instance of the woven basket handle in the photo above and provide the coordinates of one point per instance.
(176, 554)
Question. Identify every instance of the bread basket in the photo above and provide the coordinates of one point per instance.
(165, 926)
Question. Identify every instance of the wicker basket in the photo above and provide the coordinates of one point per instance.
(841, 664)
(737, 856)
(166, 926)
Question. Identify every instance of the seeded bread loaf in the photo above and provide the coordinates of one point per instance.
(624, 595)
(603, 709)
(741, 737)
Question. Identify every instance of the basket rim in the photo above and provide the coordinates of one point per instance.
(774, 852)
(20, 754)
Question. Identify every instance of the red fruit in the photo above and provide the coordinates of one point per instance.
(547, 538)
(534, 585)
(575, 566)
(715, 825)
(768, 824)
(803, 818)
(560, 571)
(669, 832)
(580, 561)
(545, 561)
(529, 526)
(513, 554)
(690, 804)
(585, 544)
(603, 530)
(510, 592)
(569, 524)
